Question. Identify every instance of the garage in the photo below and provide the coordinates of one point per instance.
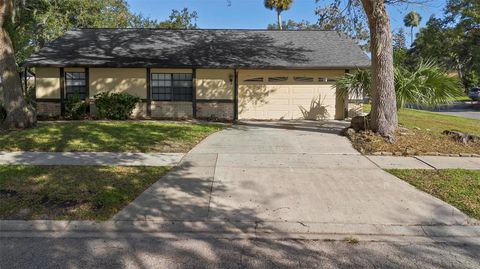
(289, 94)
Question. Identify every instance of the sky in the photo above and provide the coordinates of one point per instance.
(251, 14)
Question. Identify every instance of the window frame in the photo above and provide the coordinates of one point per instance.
(277, 79)
(254, 80)
(169, 90)
(304, 79)
(327, 80)
(83, 94)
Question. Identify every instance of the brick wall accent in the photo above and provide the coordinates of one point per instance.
(171, 109)
(140, 111)
(48, 109)
(213, 110)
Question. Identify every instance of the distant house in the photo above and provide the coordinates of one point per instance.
(224, 74)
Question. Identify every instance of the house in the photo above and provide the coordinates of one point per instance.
(222, 74)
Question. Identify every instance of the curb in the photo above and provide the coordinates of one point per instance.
(401, 154)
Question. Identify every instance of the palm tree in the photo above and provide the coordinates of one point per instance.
(412, 19)
(427, 85)
(279, 6)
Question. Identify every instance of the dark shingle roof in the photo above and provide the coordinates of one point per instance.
(201, 48)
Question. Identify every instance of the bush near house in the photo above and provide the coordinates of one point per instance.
(115, 106)
(75, 107)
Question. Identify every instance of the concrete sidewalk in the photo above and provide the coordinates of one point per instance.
(91, 158)
(426, 162)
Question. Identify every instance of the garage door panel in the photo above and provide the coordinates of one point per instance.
(289, 101)
(277, 101)
(277, 114)
(278, 90)
(303, 90)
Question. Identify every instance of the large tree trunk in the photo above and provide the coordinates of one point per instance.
(384, 106)
(19, 113)
(279, 19)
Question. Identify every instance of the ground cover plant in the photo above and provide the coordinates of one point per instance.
(71, 192)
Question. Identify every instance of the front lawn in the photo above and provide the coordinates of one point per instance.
(71, 192)
(460, 188)
(423, 134)
(111, 136)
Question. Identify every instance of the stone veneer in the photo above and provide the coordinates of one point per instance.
(171, 109)
(214, 110)
(205, 110)
(48, 109)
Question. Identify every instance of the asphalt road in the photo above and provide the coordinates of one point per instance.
(148, 252)
(466, 109)
(471, 114)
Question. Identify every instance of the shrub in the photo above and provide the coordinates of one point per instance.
(115, 106)
(75, 107)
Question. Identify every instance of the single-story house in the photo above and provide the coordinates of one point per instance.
(222, 74)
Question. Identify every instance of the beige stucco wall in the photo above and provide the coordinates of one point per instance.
(128, 80)
(215, 84)
(289, 99)
(47, 82)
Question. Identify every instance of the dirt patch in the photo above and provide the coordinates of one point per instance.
(411, 142)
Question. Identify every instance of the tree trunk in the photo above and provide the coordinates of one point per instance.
(384, 106)
(279, 20)
(411, 36)
(19, 113)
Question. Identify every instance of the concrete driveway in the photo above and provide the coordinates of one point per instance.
(281, 173)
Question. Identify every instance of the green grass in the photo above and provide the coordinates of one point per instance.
(71, 192)
(437, 123)
(460, 188)
(424, 134)
(111, 136)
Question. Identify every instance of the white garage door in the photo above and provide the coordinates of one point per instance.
(287, 95)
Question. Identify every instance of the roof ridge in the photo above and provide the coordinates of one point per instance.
(204, 29)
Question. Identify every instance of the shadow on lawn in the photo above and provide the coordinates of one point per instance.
(107, 136)
(184, 194)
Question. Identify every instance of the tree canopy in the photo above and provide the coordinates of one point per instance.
(412, 19)
(37, 22)
(453, 41)
(279, 6)
(348, 18)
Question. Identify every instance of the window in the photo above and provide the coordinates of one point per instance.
(327, 80)
(255, 79)
(76, 84)
(303, 79)
(171, 87)
(277, 79)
